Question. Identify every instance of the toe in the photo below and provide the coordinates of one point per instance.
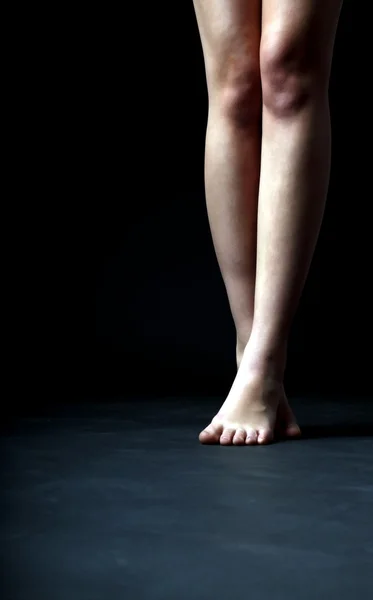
(292, 430)
(251, 437)
(287, 424)
(210, 435)
(227, 436)
(239, 437)
(265, 436)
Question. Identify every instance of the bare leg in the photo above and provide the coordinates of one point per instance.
(295, 58)
(230, 34)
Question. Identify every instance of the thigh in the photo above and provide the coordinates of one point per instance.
(230, 34)
(300, 31)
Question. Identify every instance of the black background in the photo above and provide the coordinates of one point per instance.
(163, 324)
(115, 185)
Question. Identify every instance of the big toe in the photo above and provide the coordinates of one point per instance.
(210, 435)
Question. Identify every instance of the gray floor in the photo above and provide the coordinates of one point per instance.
(119, 501)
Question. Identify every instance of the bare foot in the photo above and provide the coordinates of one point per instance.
(255, 412)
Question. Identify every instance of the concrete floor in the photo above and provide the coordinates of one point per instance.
(117, 500)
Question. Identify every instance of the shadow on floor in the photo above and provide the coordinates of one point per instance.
(337, 430)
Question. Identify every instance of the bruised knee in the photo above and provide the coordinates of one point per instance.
(292, 73)
(239, 90)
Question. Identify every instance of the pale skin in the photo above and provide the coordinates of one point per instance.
(267, 168)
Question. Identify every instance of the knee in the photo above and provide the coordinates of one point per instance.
(291, 73)
(240, 91)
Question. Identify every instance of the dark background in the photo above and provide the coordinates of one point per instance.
(163, 324)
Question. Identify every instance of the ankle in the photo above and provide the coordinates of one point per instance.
(241, 343)
(267, 362)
